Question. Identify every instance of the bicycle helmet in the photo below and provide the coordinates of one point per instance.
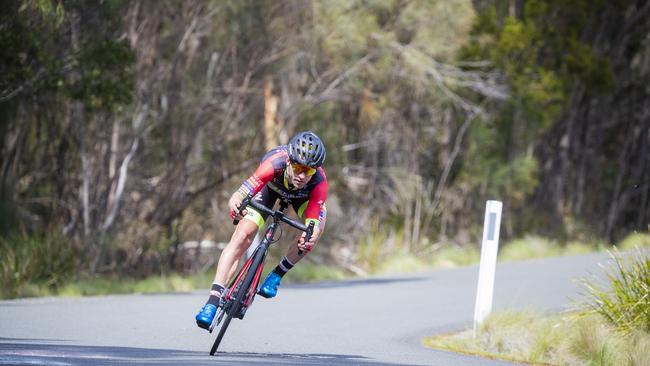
(307, 149)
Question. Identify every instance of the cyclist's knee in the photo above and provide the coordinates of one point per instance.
(240, 240)
(244, 234)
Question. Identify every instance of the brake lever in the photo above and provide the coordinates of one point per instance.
(241, 208)
(309, 232)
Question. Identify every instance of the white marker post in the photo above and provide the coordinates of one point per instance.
(487, 267)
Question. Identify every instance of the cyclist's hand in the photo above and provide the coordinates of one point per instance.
(233, 205)
(308, 246)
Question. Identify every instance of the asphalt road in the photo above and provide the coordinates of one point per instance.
(375, 321)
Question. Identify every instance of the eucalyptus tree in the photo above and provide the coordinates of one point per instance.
(577, 121)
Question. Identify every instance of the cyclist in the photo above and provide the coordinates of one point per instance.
(293, 172)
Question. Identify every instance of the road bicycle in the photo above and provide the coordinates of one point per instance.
(242, 290)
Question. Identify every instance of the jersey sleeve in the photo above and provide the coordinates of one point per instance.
(316, 210)
(263, 174)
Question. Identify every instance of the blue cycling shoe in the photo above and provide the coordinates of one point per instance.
(205, 317)
(270, 287)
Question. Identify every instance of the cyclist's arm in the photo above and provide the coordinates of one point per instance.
(263, 174)
(316, 211)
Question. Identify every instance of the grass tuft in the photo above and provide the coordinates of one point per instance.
(592, 342)
(513, 336)
(639, 352)
(532, 338)
(626, 303)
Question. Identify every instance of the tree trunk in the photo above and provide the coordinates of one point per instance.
(272, 124)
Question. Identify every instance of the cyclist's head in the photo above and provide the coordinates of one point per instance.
(307, 149)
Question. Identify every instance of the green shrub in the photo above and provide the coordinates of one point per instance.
(402, 263)
(453, 256)
(635, 240)
(627, 305)
(532, 246)
(529, 247)
(28, 262)
(308, 272)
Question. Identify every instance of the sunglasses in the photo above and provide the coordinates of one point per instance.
(299, 169)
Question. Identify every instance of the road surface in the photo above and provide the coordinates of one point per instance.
(373, 321)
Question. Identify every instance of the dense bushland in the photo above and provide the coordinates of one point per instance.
(125, 126)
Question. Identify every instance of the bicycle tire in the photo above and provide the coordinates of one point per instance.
(239, 296)
(222, 332)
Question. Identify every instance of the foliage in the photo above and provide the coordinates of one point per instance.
(561, 75)
(308, 272)
(453, 256)
(171, 282)
(41, 59)
(634, 241)
(378, 255)
(498, 155)
(25, 260)
(627, 304)
(489, 171)
(116, 285)
(530, 247)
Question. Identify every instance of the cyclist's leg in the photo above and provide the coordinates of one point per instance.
(270, 286)
(228, 261)
(239, 242)
(243, 237)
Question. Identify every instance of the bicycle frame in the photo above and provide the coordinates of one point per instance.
(263, 247)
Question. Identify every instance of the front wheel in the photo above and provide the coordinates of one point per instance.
(242, 287)
(222, 331)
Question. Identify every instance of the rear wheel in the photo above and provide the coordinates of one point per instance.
(233, 308)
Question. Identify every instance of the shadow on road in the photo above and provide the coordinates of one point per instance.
(52, 352)
(355, 282)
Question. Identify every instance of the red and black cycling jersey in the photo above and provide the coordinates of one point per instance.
(272, 173)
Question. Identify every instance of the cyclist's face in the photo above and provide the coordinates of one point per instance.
(299, 175)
